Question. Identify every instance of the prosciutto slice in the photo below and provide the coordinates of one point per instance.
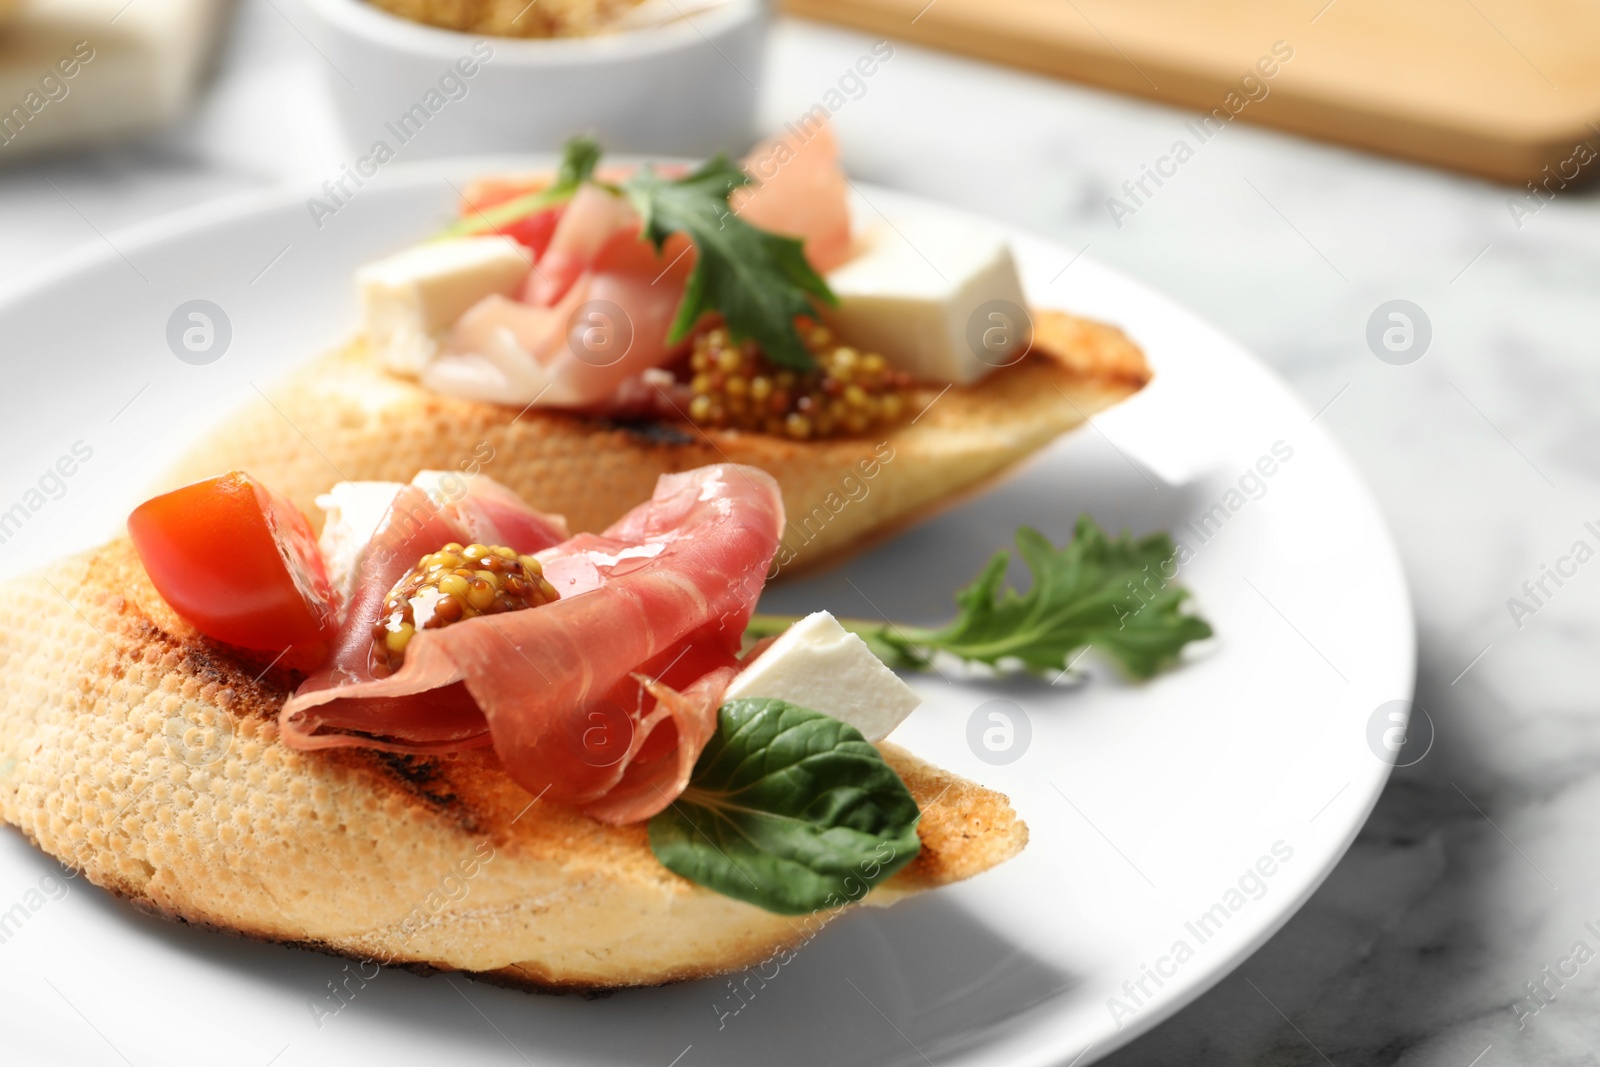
(597, 306)
(602, 699)
(801, 191)
(609, 324)
(438, 507)
(591, 220)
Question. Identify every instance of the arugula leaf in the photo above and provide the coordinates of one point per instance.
(758, 281)
(788, 809)
(1107, 592)
(578, 161)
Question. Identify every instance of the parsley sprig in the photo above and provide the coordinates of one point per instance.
(1111, 593)
(756, 280)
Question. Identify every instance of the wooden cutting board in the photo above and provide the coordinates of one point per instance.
(1498, 88)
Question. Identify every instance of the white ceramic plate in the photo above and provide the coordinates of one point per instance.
(1150, 806)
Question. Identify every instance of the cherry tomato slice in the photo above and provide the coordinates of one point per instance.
(238, 561)
(534, 231)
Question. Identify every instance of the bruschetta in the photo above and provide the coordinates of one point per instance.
(585, 332)
(447, 735)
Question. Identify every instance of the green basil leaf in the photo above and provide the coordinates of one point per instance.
(788, 809)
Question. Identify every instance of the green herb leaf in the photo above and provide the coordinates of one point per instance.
(758, 281)
(788, 809)
(1112, 593)
(578, 161)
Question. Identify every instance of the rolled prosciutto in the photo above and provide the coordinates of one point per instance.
(600, 699)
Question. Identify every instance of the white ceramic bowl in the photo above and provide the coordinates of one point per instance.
(687, 88)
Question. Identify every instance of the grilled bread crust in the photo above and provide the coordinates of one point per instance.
(148, 757)
(343, 418)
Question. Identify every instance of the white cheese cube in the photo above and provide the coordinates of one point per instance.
(353, 511)
(410, 298)
(73, 72)
(925, 294)
(819, 665)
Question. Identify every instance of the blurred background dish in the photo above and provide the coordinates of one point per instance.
(513, 18)
(681, 81)
(77, 71)
(551, 18)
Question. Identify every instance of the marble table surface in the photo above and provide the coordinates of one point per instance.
(1450, 934)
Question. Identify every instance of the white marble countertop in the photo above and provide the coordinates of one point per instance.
(1420, 948)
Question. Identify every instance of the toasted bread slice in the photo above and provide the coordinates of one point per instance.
(139, 752)
(343, 418)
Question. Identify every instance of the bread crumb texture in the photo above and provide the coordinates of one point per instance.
(513, 18)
